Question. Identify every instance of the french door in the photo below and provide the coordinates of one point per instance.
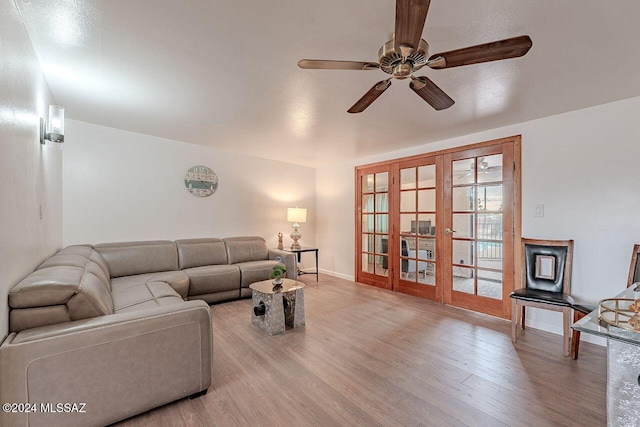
(418, 264)
(374, 243)
(442, 226)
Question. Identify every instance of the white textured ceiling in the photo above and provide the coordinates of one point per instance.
(224, 74)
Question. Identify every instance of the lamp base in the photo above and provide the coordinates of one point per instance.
(295, 236)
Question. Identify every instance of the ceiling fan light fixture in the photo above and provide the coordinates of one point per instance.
(483, 166)
(388, 57)
(402, 70)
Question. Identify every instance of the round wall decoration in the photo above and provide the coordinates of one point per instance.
(201, 181)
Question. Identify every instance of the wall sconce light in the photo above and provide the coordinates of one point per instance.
(52, 129)
(296, 215)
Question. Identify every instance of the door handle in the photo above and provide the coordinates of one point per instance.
(449, 231)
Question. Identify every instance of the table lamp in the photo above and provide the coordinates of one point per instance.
(296, 215)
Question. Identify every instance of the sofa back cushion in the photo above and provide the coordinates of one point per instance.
(73, 280)
(201, 252)
(77, 256)
(130, 258)
(243, 249)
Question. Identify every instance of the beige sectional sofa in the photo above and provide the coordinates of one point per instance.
(122, 327)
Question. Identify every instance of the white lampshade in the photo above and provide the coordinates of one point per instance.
(296, 215)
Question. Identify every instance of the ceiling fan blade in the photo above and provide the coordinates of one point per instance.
(370, 96)
(410, 17)
(494, 51)
(431, 93)
(319, 64)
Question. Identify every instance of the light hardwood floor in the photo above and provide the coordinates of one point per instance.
(372, 357)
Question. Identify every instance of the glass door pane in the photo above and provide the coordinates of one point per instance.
(417, 257)
(374, 228)
(477, 234)
(443, 225)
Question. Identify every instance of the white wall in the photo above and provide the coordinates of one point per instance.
(583, 166)
(30, 174)
(121, 186)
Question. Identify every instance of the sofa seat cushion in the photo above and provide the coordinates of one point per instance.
(217, 297)
(178, 280)
(255, 271)
(213, 278)
(144, 295)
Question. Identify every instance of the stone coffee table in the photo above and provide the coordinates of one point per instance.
(272, 310)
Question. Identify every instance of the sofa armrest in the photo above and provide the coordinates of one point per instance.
(118, 365)
(288, 259)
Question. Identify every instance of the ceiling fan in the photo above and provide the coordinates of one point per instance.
(407, 52)
(483, 167)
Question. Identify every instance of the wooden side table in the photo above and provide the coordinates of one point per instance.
(299, 252)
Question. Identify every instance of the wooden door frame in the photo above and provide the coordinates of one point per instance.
(514, 141)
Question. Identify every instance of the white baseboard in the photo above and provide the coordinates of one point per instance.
(557, 329)
(338, 275)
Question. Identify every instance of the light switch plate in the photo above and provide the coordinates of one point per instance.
(538, 211)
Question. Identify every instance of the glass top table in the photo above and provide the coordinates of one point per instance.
(591, 324)
(266, 286)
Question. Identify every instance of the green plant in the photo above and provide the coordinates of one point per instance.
(277, 271)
